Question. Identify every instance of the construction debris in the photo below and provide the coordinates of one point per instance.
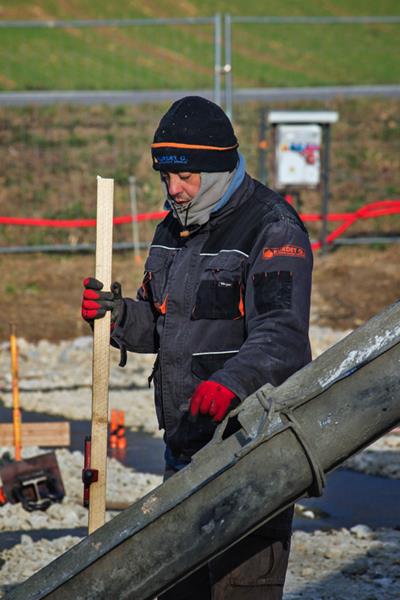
(35, 482)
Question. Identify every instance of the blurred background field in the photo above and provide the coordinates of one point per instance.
(180, 57)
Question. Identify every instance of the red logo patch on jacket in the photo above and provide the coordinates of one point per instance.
(289, 250)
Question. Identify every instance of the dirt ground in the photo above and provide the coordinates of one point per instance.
(41, 293)
(353, 284)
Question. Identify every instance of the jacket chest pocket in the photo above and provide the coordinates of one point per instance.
(220, 291)
(156, 278)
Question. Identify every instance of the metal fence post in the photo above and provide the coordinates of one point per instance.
(228, 66)
(326, 137)
(217, 57)
(263, 148)
(135, 224)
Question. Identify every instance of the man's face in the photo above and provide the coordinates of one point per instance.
(182, 187)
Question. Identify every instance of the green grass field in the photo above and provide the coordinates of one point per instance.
(179, 57)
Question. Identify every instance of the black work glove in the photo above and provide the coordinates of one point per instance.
(96, 303)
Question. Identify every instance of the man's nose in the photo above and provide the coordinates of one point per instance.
(174, 186)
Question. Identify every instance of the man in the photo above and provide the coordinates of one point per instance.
(225, 305)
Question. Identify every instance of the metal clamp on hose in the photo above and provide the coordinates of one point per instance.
(268, 405)
(319, 480)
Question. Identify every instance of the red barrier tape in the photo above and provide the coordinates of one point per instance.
(368, 211)
(80, 222)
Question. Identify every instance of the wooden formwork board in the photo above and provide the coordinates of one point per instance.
(51, 434)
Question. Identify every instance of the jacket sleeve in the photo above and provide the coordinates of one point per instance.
(137, 330)
(277, 307)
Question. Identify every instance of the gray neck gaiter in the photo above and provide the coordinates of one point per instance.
(197, 212)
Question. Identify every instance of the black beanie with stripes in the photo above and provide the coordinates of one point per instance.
(194, 135)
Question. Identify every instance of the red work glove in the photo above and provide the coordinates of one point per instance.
(95, 303)
(211, 398)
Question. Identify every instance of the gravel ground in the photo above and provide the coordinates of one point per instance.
(55, 379)
(345, 564)
(124, 485)
(337, 565)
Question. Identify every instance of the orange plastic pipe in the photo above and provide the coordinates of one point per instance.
(15, 394)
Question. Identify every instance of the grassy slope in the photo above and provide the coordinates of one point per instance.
(179, 57)
(51, 155)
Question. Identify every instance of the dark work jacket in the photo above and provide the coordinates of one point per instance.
(229, 303)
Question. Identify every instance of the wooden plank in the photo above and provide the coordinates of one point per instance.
(52, 434)
(101, 356)
(114, 505)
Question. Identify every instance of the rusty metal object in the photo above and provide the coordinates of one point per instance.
(289, 438)
(35, 482)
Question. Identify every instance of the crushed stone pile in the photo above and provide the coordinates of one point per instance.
(56, 379)
(324, 565)
(24, 559)
(380, 458)
(339, 565)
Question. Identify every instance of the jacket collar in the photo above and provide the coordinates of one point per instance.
(239, 197)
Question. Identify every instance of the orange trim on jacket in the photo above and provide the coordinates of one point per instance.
(241, 302)
(162, 308)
